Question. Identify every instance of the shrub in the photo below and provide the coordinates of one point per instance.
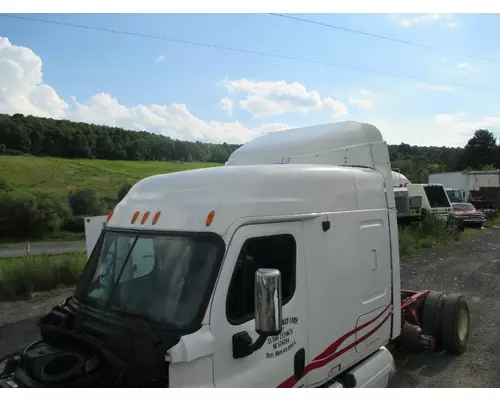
(28, 216)
(86, 202)
(123, 191)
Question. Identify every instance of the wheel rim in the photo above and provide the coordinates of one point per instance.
(463, 324)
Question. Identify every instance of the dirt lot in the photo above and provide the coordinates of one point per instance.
(471, 267)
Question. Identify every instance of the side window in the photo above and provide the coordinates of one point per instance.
(277, 252)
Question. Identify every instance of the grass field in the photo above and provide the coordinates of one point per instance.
(60, 176)
(20, 276)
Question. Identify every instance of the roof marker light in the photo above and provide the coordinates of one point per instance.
(156, 217)
(144, 217)
(134, 217)
(210, 217)
(110, 214)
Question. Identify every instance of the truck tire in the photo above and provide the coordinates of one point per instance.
(431, 317)
(455, 324)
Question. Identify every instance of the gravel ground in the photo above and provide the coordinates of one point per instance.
(471, 267)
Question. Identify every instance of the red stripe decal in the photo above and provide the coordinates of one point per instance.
(331, 354)
(334, 346)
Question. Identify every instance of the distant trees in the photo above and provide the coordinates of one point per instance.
(482, 151)
(66, 139)
(416, 163)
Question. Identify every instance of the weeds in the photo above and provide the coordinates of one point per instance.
(431, 232)
(25, 275)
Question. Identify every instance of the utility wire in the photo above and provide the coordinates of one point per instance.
(374, 35)
(341, 28)
(246, 51)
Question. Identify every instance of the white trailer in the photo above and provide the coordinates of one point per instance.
(280, 269)
(456, 184)
(463, 185)
(483, 179)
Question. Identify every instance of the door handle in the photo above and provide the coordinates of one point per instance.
(299, 364)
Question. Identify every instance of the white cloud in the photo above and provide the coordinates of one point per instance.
(159, 59)
(412, 20)
(363, 99)
(271, 98)
(21, 86)
(465, 67)
(444, 60)
(23, 91)
(459, 129)
(447, 118)
(226, 104)
(174, 120)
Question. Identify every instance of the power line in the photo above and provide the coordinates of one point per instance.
(341, 28)
(374, 35)
(246, 51)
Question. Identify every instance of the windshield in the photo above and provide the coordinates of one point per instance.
(166, 279)
(436, 196)
(455, 196)
(463, 207)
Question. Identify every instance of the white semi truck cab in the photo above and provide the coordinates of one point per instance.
(280, 269)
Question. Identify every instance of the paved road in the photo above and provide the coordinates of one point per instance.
(16, 250)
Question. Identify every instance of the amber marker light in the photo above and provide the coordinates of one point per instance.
(110, 214)
(210, 218)
(144, 217)
(156, 217)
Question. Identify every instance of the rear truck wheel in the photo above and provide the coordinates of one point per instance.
(455, 323)
(431, 317)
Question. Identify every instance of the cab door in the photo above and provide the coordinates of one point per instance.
(281, 360)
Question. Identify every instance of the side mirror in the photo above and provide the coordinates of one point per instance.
(268, 302)
(268, 313)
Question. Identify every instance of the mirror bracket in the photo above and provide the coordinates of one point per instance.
(243, 346)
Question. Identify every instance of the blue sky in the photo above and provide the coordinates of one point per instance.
(184, 91)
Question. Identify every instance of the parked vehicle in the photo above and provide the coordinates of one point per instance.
(280, 269)
(408, 207)
(434, 198)
(468, 215)
(456, 195)
(457, 182)
(480, 188)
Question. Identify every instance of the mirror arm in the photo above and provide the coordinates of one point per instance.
(243, 346)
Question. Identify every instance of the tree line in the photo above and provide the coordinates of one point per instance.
(25, 215)
(481, 152)
(21, 134)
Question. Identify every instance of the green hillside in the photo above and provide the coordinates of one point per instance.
(60, 176)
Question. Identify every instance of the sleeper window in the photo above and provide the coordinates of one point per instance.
(275, 252)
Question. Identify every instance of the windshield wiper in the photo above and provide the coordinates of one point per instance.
(113, 290)
(142, 318)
